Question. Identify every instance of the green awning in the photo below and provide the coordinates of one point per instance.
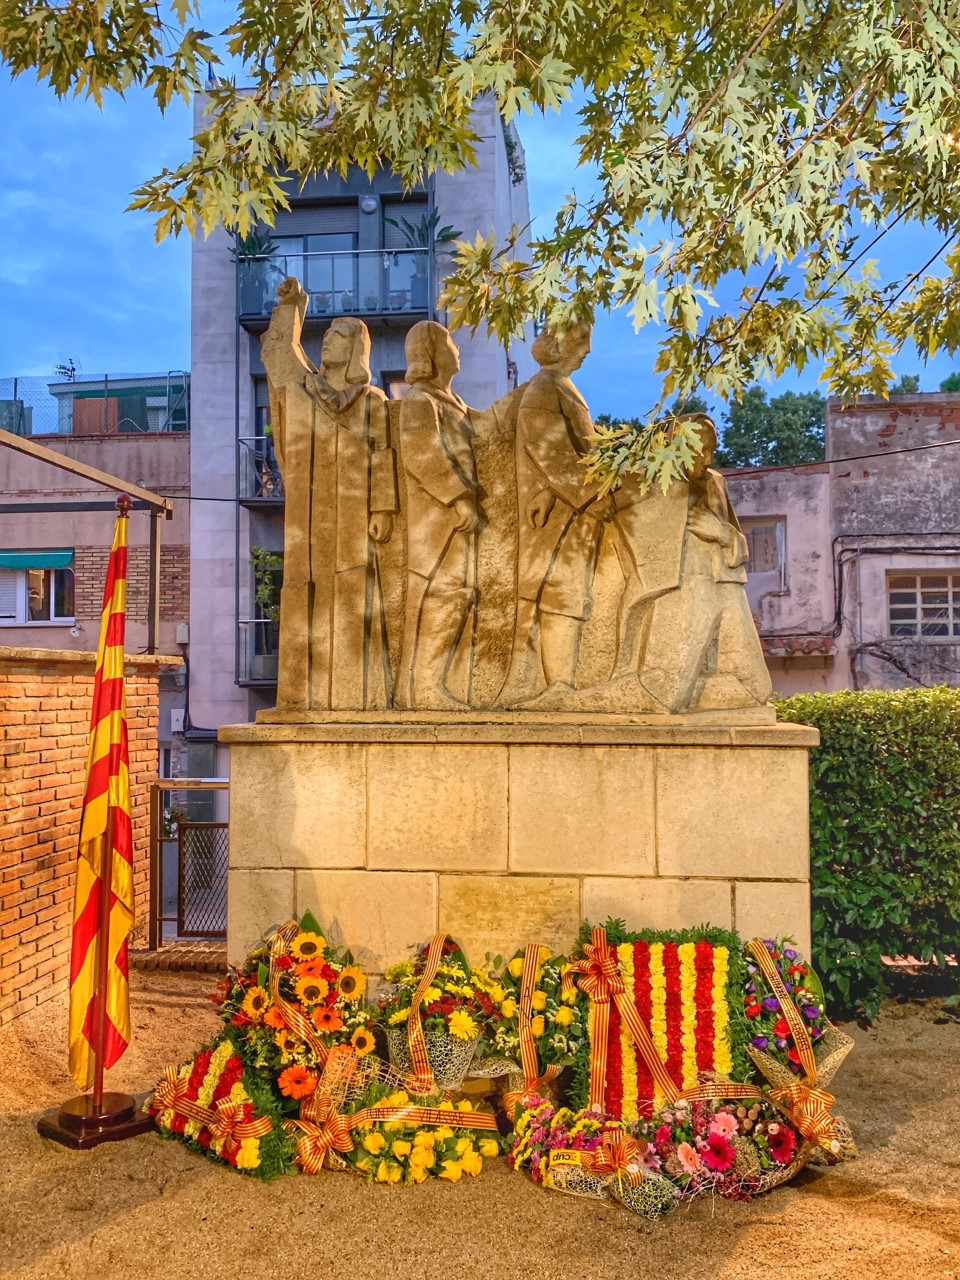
(35, 559)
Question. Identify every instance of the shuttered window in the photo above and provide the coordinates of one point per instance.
(9, 584)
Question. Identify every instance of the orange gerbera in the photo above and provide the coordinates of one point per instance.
(297, 1082)
(312, 990)
(274, 1018)
(310, 968)
(325, 1019)
(362, 1041)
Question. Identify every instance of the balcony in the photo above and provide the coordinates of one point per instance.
(259, 651)
(261, 484)
(366, 282)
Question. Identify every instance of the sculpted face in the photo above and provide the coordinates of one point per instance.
(704, 458)
(447, 359)
(574, 348)
(337, 347)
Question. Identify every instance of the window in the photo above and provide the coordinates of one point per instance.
(394, 383)
(36, 587)
(925, 605)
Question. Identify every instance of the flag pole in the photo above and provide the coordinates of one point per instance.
(89, 1119)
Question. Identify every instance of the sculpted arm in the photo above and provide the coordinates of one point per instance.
(383, 473)
(550, 444)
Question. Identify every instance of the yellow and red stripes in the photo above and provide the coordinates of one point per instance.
(679, 992)
(107, 782)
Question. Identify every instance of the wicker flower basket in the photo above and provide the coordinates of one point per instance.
(450, 1058)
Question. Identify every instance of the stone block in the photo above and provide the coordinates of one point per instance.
(582, 810)
(380, 915)
(501, 913)
(765, 909)
(297, 805)
(657, 903)
(739, 812)
(256, 902)
(437, 807)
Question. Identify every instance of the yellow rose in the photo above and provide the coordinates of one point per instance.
(496, 993)
(422, 1158)
(425, 1138)
(465, 1144)
(401, 1148)
(509, 1008)
(374, 1143)
(471, 1162)
(365, 1164)
(564, 1017)
(443, 1133)
(569, 997)
(388, 1172)
(464, 1105)
(539, 1001)
(452, 1169)
(537, 1026)
(399, 1099)
(418, 1174)
(515, 968)
(489, 1148)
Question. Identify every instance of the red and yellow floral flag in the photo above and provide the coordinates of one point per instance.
(107, 786)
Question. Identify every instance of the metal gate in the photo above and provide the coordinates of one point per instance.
(202, 880)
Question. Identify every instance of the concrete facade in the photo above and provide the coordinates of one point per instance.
(868, 594)
(531, 827)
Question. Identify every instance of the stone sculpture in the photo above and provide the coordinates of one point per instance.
(399, 596)
(443, 521)
(332, 440)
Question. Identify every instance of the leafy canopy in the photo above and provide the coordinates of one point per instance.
(784, 431)
(751, 154)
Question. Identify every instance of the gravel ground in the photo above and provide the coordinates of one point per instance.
(148, 1208)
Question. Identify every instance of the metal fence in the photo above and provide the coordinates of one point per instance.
(70, 403)
(188, 861)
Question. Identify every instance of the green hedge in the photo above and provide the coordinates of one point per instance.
(884, 833)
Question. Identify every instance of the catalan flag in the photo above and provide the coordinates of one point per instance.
(106, 811)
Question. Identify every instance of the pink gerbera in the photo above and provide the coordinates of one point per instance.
(689, 1160)
(719, 1154)
(782, 1144)
(724, 1123)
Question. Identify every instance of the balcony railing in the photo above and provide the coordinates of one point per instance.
(259, 650)
(260, 478)
(361, 282)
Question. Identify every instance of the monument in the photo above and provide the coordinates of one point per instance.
(505, 702)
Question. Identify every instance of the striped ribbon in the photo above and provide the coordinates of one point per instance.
(295, 1020)
(224, 1119)
(533, 1081)
(107, 788)
(422, 1079)
(322, 1128)
(618, 1155)
(806, 1106)
(600, 979)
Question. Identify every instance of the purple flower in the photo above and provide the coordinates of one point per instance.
(809, 1011)
(781, 1044)
(752, 987)
(772, 1004)
(770, 944)
(760, 1042)
(789, 953)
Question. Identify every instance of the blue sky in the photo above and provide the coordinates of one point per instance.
(83, 279)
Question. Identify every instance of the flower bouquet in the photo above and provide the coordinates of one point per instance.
(543, 1025)
(438, 1014)
(294, 999)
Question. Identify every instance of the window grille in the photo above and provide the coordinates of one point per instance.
(924, 605)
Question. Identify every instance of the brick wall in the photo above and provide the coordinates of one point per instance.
(45, 698)
(90, 570)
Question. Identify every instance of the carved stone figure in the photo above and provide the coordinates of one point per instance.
(332, 440)
(684, 622)
(443, 522)
(560, 522)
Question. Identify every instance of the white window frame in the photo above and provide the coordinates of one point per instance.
(22, 605)
(911, 628)
(749, 524)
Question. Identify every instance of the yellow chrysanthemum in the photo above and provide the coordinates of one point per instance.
(432, 995)
(312, 990)
(307, 946)
(398, 1018)
(255, 1003)
(461, 1026)
(352, 982)
(362, 1041)
(539, 1001)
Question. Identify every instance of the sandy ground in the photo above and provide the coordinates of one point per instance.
(148, 1208)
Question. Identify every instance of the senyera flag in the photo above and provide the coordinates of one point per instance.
(103, 912)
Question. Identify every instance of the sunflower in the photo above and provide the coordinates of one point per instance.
(312, 990)
(325, 1019)
(307, 946)
(352, 982)
(297, 1082)
(362, 1041)
(288, 1044)
(255, 1003)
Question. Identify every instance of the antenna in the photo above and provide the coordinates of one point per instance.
(66, 370)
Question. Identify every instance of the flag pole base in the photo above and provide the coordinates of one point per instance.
(78, 1126)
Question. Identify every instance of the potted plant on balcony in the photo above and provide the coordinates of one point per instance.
(252, 254)
(422, 236)
(346, 300)
(371, 302)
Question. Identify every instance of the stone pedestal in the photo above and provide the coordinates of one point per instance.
(513, 828)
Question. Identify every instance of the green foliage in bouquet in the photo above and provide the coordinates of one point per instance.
(884, 834)
(559, 1019)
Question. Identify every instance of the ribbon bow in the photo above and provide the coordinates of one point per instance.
(322, 1129)
(227, 1123)
(171, 1092)
(809, 1110)
(600, 971)
(619, 1155)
